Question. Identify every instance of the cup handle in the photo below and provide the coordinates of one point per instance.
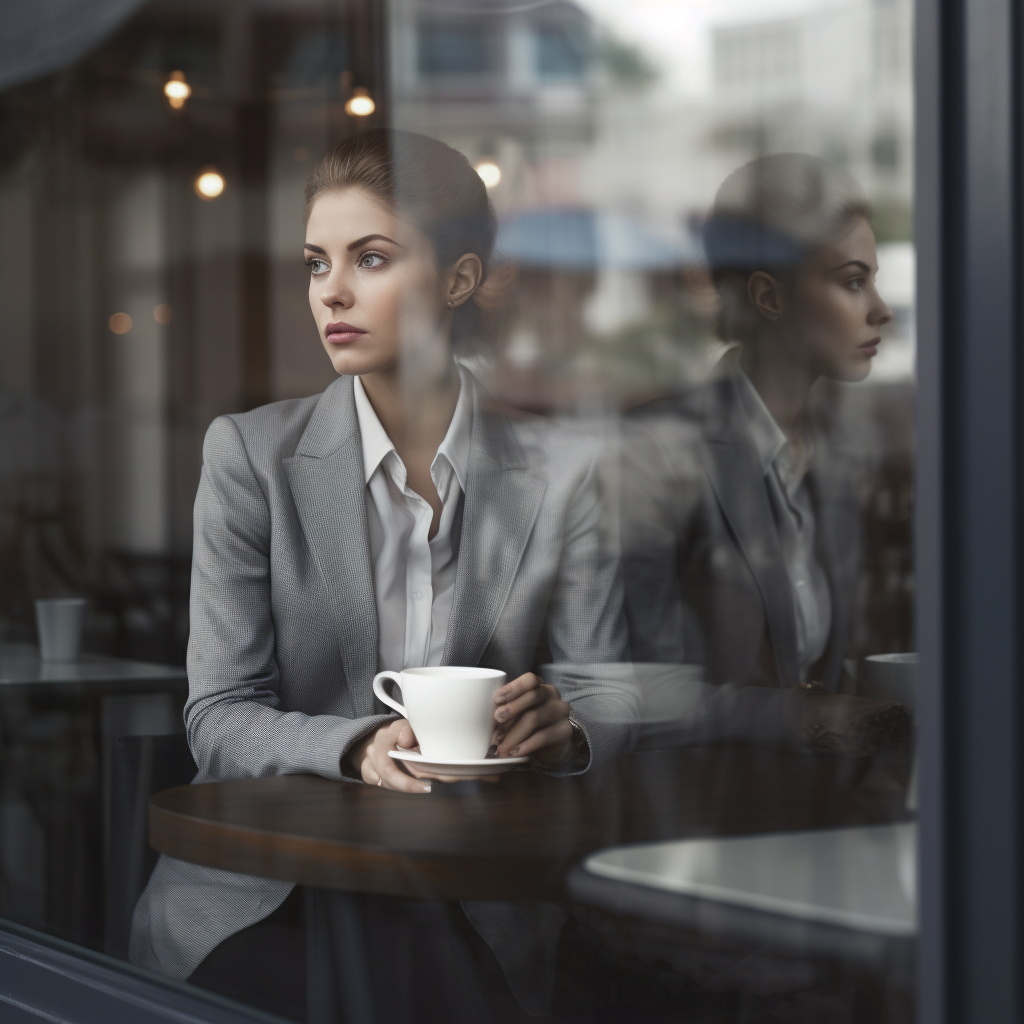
(378, 689)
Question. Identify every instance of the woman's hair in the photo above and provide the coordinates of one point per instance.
(427, 183)
(770, 215)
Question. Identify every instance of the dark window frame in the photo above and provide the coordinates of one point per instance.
(968, 508)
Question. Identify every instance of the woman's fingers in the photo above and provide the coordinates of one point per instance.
(392, 776)
(542, 694)
(509, 712)
(530, 722)
(406, 737)
(555, 738)
(379, 768)
(510, 691)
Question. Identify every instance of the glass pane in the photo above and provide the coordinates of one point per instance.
(590, 397)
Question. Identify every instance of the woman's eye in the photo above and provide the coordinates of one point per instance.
(856, 284)
(372, 260)
(316, 266)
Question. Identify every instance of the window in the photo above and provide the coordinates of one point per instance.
(453, 50)
(571, 533)
(561, 53)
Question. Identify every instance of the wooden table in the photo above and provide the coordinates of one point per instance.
(519, 838)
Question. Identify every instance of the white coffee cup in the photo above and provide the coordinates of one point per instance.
(890, 676)
(59, 623)
(450, 709)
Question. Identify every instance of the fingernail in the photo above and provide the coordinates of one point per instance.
(426, 789)
(514, 752)
(501, 714)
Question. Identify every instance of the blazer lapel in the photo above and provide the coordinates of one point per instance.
(736, 477)
(328, 485)
(501, 505)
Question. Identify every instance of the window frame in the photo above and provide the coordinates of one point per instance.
(968, 506)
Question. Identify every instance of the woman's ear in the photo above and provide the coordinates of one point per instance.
(463, 278)
(765, 294)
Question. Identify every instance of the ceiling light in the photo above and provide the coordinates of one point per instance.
(120, 323)
(489, 171)
(360, 104)
(177, 90)
(209, 184)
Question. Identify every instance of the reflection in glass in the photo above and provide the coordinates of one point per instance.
(671, 488)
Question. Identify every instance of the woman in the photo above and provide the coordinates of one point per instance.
(397, 520)
(742, 535)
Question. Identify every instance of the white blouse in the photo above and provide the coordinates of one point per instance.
(793, 511)
(413, 577)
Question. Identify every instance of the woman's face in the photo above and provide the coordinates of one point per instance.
(374, 287)
(831, 314)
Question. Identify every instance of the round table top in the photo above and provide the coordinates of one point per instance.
(517, 838)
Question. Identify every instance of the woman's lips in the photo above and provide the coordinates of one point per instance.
(870, 348)
(342, 333)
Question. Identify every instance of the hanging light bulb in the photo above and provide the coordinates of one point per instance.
(209, 183)
(360, 104)
(177, 90)
(489, 171)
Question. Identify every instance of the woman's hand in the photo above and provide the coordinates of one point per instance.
(840, 723)
(370, 758)
(532, 719)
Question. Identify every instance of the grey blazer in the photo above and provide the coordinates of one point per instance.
(283, 644)
(705, 577)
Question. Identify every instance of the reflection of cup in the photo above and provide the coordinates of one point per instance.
(59, 622)
(889, 676)
(451, 710)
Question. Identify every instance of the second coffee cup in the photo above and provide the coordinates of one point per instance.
(450, 709)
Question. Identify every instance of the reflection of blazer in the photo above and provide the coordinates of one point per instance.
(283, 648)
(705, 577)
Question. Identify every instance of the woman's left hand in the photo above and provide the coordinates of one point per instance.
(532, 719)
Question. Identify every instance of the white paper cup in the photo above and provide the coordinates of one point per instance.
(59, 622)
(450, 709)
(889, 676)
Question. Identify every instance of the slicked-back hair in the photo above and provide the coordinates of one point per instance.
(771, 215)
(419, 178)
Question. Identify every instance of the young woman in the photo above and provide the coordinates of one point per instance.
(399, 519)
(742, 533)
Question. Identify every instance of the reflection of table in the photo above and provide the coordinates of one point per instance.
(21, 667)
(58, 721)
(845, 891)
(516, 839)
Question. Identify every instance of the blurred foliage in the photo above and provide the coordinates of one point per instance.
(625, 63)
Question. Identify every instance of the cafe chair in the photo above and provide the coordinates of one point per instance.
(140, 767)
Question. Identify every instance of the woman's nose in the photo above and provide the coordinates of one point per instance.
(881, 313)
(335, 292)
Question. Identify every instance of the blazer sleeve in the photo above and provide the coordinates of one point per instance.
(587, 632)
(233, 717)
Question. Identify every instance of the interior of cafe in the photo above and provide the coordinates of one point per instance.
(458, 516)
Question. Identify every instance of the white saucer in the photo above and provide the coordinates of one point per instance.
(474, 767)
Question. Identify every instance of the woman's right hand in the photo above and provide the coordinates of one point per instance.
(840, 723)
(370, 758)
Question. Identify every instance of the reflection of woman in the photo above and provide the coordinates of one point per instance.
(742, 545)
(396, 520)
